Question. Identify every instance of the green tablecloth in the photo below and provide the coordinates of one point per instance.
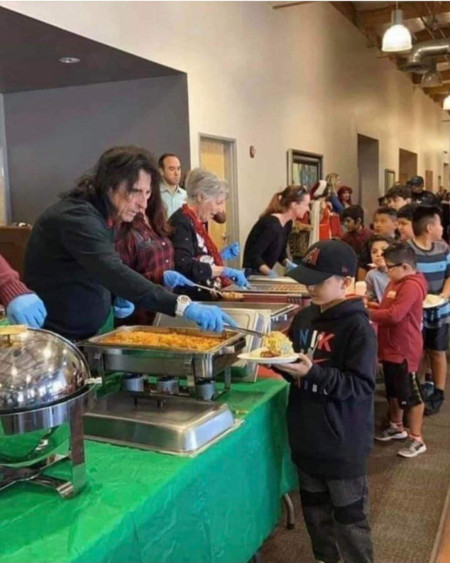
(144, 506)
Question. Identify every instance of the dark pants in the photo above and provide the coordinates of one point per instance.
(336, 516)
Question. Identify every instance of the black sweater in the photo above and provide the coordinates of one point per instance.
(72, 265)
(330, 417)
(266, 243)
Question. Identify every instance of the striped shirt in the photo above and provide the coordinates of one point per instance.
(435, 266)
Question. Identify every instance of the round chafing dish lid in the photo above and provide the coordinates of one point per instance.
(38, 367)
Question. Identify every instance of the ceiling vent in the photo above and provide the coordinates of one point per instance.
(418, 59)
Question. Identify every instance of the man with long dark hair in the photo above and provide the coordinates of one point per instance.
(71, 262)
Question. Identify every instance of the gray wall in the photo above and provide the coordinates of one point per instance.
(53, 136)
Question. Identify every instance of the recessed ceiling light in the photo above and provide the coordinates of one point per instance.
(69, 60)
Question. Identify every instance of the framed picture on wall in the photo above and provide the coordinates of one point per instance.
(303, 168)
(389, 179)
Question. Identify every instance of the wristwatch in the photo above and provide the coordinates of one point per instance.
(183, 302)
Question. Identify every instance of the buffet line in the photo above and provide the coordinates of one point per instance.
(172, 392)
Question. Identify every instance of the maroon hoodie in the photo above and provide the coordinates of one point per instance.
(399, 320)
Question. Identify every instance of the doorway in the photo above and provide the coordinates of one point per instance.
(218, 155)
(368, 169)
(407, 165)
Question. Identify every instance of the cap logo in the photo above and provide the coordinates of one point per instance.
(344, 270)
(312, 257)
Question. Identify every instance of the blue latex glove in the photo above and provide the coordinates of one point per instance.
(231, 251)
(27, 310)
(122, 308)
(272, 274)
(208, 317)
(237, 276)
(173, 279)
(289, 265)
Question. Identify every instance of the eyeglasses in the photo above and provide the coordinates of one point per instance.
(390, 266)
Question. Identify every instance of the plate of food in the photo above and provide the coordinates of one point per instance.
(276, 349)
(432, 301)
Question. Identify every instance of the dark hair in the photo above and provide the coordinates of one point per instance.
(423, 216)
(401, 253)
(163, 157)
(342, 190)
(407, 211)
(402, 191)
(386, 211)
(379, 238)
(281, 201)
(354, 212)
(116, 166)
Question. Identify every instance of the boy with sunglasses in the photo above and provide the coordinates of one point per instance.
(399, 320)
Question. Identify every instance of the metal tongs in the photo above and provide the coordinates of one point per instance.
(246, 331)
(211, 290)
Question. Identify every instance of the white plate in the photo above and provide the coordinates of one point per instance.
(439, 303)
(254, 357)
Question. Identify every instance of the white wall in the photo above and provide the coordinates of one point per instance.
(300, 77)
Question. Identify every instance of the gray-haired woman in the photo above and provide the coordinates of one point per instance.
(196, 255)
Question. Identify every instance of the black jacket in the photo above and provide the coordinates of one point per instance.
(72, 265)
(330, 417)
(266, 243)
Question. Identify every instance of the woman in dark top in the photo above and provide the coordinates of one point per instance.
(267, 242)
(196, 255)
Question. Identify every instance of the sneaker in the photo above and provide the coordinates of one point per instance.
(412, 448)
(433, 404)
(391, 433)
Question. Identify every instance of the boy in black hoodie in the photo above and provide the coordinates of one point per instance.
(330, 410)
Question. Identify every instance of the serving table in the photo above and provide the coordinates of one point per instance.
(143, 506)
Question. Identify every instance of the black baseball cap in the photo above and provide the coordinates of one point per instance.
(416, 181)
(325, 259)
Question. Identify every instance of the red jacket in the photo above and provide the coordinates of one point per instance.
(399, 320)
(10, 284)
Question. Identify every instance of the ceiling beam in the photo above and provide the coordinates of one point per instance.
(425, 35)
(380, 16)
(417, 78)
(444, 89)
(347, 9)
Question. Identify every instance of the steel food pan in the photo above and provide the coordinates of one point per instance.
(176, 362)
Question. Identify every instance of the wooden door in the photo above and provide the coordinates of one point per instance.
(213, 157)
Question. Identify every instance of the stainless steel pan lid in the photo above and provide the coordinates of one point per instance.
(37, 368)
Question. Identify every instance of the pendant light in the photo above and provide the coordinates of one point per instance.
(446, 104)
(396, 38)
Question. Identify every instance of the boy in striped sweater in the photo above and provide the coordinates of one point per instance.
(433, 260)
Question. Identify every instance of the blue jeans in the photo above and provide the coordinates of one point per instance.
(336, 516)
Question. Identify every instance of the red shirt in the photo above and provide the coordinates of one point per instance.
(399, 320)
(358, 240)
(143, 250)
(10, 284)
(147, 253)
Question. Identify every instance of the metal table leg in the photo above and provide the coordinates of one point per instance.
(290, 520)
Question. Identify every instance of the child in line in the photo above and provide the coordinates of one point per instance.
(433, 260)
(404, 221)
(398, 196)
(385, 222)
(377, 279)
(357, 234)
(330, 409)
(399, 320)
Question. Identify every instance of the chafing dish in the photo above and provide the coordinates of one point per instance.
(166, 415)
(270, 290)
(177, 425)
(190, 364)
(44, 390)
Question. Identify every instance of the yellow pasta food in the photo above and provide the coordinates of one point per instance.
(276, 344)
(163, 340)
